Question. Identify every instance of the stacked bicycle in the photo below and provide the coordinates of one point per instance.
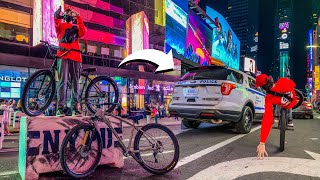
(40, 88)
(154, 146)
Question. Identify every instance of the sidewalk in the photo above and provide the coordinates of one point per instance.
(166, 121)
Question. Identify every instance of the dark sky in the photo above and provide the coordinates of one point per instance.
(302, 10)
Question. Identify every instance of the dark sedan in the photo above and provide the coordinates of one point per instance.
(303, 111)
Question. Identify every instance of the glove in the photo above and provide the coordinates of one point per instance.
(57, 14)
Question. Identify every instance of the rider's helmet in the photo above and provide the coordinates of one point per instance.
(264, 81)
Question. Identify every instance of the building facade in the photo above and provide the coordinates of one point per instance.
(114, 29)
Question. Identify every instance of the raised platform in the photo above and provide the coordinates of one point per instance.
(41, 138)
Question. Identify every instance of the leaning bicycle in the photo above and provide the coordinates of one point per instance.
(283, 120)
(154, 147)
(40, 88)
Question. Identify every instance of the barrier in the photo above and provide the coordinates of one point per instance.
(1, 131)
(41, 138)
(16, 118)
(11, 117)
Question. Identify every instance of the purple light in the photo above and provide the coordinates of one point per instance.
(284, 25)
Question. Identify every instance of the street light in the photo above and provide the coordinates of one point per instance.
(313, 46)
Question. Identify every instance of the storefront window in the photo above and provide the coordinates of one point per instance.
(12, 81)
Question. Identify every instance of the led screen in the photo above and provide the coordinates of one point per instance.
(225, 44)
(176, 28)
(249, 65)
(284, 58)
(198, 44)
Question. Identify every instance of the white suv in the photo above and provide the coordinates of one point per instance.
(218, 95)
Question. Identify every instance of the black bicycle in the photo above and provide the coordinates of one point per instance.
(40, 88)
(154, 147)
(283, 120)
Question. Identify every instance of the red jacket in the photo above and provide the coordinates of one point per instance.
(283, 85)
(61, 27)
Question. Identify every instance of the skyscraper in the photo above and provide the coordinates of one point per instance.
(242, 15)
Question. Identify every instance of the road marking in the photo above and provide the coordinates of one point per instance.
(314, 139)
(199, 154)
(160, 137)
(7, 173)
(9, 150)
(150, 154)
(245, 166)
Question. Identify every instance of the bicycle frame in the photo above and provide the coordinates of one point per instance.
(126, 149)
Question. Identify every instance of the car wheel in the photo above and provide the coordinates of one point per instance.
(185, 123)
(193, 124)
(311, 117)
(245, 124)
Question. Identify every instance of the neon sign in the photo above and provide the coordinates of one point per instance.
(284, 25)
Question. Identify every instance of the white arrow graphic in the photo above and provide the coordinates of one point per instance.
(245, 166)
(163, 60)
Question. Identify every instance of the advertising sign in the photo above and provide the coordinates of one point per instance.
(225, 43)
(317, 78)
(176, 27)
(249, 65)
(284, 60)
(198, 44)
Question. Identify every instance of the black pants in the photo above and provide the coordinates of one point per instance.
(66, 67)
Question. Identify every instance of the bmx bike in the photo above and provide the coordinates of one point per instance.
(155, 147)
(40, 88)
(283, 120)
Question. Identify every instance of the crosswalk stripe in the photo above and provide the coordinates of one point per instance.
(208, 150)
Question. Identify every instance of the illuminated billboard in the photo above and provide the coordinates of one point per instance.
(225, 43)
(284, 60)
(198, 43)
(176, 27)
(249, 65)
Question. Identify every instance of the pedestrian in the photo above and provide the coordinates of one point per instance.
(162, 113)
(119, 108)
(155, 114)
(158, 109)
(148, 112)
(5, 109)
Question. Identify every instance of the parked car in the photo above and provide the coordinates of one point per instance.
(304, 110)
(218, 95)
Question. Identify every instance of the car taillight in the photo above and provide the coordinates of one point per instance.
(226, 88)
(307, 105)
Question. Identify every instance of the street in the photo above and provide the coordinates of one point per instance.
(203, 149)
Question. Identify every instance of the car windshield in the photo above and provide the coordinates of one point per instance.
(210, 73)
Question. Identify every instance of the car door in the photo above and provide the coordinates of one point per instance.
(257, 96)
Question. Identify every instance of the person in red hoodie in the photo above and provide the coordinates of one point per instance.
(71, 63)
(280, 93)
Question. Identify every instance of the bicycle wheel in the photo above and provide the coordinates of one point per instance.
(102, 92)
(38, 93)
(299, 96)
(157, 148)
(283, 127)
(80, 151)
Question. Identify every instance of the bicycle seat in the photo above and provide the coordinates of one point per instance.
(90, 69)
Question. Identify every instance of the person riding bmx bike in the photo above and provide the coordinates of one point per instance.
(278, 93)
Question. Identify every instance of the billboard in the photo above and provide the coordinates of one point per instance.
(249, 65)
(225, 43)
(199, 38)
(284, 60)
(176, 27)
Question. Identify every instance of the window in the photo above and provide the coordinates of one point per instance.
(252, 83)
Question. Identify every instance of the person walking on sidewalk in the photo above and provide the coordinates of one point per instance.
(5, 109)
(148, 112)
(155, 113)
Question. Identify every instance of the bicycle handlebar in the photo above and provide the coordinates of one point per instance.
(46, 43)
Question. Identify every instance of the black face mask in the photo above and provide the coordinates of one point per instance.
(67, 18)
